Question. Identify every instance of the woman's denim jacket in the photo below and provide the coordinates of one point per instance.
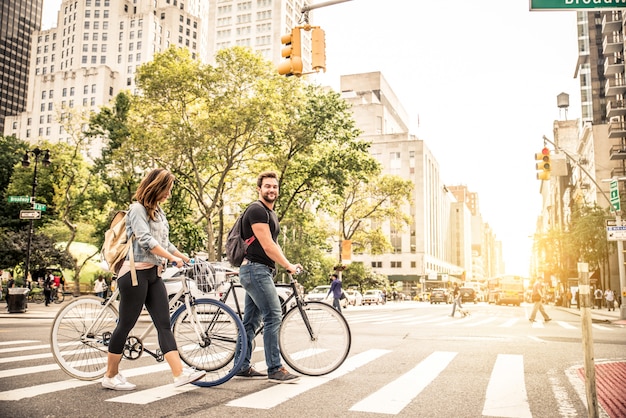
(148, 234)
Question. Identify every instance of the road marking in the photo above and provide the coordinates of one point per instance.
(565, 325)
(394, 397)
(509, 323)
(147, 396)
(32, 391)
(484, 321)
(601, 327)
(279, 393)
(506, 392)
(18, 342)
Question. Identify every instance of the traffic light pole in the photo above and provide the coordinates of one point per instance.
(618, 221)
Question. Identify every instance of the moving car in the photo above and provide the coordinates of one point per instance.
(371, 297)
(468, 294)
(438, 296)
(355, 298)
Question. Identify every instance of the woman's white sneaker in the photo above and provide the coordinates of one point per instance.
(188, 375)
(118, 382)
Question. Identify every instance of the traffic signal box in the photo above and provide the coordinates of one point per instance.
(544, 164)
(318, 49)
(293, 52)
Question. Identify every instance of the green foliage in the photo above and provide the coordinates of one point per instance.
(43, 251)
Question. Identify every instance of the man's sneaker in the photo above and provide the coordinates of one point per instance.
(283, 376)
(188, 375)
(251, 374)
(118, 382)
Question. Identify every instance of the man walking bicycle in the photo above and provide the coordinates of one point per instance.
(256, 275)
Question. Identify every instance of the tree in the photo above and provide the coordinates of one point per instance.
(44, 252)
(12, 150)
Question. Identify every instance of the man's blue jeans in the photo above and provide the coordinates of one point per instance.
(262, 303)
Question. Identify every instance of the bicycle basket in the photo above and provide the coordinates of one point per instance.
(208, 277)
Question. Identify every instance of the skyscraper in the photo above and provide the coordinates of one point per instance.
(18, 21)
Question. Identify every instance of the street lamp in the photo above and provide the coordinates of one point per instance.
(26, 163)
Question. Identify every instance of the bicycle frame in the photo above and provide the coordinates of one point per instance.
(183, 292)
(284, 305)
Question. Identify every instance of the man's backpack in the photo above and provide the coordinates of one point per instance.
(236, 246)
(116, 245)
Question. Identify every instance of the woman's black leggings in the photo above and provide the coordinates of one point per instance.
(151, 292)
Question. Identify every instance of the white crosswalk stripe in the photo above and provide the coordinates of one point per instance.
(506, 381)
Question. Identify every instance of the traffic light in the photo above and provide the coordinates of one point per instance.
(318, 49)
(293, 52)
(544, 164)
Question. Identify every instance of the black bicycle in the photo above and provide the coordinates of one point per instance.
(314, 337)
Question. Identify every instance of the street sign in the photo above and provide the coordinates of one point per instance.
(615, 195)
(39, 206)
(30, 214)
(576, 4)
(19, 199)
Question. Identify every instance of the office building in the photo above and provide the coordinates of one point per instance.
(18, 21)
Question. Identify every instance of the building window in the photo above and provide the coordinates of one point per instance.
(377, 264)
(93, 88)
(396, 264)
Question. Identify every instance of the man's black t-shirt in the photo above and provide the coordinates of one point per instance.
(259, 213)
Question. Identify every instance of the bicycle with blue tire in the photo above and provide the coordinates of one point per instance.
(208, 333)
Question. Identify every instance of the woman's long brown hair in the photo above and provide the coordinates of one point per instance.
(152, 189)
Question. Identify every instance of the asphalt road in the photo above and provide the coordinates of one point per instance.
(408, 359)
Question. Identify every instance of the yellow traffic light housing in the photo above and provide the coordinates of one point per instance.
(318, 49)
(544, 164)
(293, 52)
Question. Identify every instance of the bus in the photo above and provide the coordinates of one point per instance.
(506, 290)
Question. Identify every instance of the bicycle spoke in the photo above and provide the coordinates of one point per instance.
(81, 355)
(208, 339)
(321, 350)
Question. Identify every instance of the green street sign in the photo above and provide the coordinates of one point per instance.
(614, 195)
(576, 4)
(39, 206)
(19, 199)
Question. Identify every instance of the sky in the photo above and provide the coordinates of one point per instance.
(479, 80)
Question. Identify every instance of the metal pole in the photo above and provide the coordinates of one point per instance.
(622, 270)
(36, 153)
(319, 5)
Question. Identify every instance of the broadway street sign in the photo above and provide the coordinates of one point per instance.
(576, 4)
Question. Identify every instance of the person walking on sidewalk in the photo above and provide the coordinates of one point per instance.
(256, 275)
(609, 296)
(537, 297)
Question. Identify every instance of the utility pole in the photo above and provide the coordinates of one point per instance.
(585, 319)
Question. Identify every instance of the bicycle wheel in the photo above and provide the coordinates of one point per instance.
(39, 297)
(222, 336)
(80, 355)
(321, 351)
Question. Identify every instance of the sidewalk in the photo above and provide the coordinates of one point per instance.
(33, 310)
(597, 315)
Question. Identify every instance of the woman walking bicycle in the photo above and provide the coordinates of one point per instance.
(148, 229)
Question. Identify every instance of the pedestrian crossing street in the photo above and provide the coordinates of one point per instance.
(477, 319)
(505, 395)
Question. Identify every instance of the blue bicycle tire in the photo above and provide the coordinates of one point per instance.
(217, 353)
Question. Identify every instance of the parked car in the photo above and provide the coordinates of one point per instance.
(371, 297)
(438, 296)
(318, 294)
(355, 298)
(468, 294)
